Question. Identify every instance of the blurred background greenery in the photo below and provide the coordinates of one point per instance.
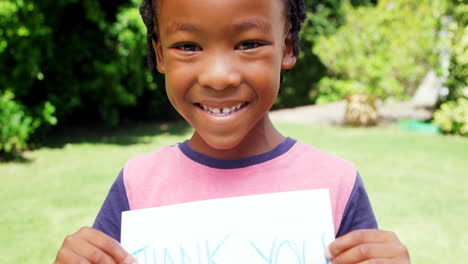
(68, 63)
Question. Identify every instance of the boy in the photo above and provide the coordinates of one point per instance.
(222, 61)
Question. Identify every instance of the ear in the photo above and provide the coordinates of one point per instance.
(159, 55)
(289, 59)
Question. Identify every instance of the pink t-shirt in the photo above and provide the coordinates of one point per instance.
(179, 174)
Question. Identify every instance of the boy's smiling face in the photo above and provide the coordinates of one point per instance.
(222, 61)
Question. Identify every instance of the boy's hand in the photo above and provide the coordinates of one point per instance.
(368, 246)
(89, 246)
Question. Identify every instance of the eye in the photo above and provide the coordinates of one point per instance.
(250, 44)
(187, 47)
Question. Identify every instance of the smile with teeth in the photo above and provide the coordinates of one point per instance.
(222, 111)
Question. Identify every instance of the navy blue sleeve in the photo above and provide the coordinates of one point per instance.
(109, 217)
(358, 213)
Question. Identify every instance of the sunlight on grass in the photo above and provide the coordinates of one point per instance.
(416, 183)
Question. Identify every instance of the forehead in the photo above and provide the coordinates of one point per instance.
(184, 15)
(256, 23)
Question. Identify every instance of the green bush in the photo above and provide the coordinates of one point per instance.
(383, 50)
(17, 125)
(452, 117)
(333, 89)
(86, 60)
(146, 89)
(324, 17)
(458, 37)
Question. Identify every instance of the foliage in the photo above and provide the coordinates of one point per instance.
(458, 36)
(382, 50)
(17, 125)
(324, 17)
(335, 89)
(452, 116)
(85, 59)
(148, 101)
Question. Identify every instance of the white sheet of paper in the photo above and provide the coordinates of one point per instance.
(290, 227)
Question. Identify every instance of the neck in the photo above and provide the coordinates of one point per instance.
(263, 137)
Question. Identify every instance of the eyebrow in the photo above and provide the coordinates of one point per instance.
(238, 27)
(253, 24)
(182, 27)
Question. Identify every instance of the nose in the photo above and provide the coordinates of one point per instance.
(219, 72)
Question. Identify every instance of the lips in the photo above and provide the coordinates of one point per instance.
(221, 110)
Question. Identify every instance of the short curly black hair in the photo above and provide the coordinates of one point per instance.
(295, 12)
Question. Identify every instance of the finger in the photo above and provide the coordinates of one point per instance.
(87, 250)
(367, 252)
(386, 261)
(379, 261)
(106, 243)
(357, 237)
(66, 256)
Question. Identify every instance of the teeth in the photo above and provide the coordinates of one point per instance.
(221, 111)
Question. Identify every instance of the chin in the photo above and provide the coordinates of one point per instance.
(222, 142)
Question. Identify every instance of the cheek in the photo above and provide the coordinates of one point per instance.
(178, 78)
(264, 75)
(174, 91)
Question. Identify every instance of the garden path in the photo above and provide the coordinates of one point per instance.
(333, 113)
(419, 107)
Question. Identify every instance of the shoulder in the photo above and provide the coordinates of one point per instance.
(144, 163)
(145, 174)
(322, 162)
(338, 174)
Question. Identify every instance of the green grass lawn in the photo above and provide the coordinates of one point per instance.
(416, 183)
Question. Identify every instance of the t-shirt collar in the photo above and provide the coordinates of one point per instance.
(282, 148)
